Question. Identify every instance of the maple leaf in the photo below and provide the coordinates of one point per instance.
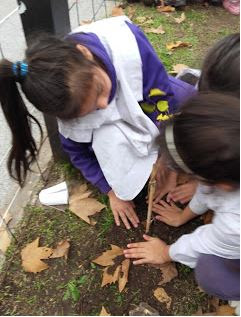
(62, 249)
(109, 278)
(107, 257)
(32, 255)
(169, 272)
(123, 278)
(181, 19)
(162, 9)
(162, 297)
(172, 45)
(158, 30)
(83, 206)
(176, 69)
(117, 11)
(104, 312)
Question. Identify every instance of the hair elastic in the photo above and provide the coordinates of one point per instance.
(173, 151)
(20, 69)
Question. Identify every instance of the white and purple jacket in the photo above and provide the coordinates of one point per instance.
(154, 76)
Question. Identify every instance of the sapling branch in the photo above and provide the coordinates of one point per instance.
(151, 193)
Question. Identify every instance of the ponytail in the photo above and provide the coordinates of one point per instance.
(24, 149)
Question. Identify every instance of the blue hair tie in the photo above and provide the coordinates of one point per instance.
(20, 69)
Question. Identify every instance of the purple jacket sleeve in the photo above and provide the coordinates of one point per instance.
(84, 159)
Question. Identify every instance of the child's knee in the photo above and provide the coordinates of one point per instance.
(218, 276)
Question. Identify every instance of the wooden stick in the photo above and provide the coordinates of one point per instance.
(151, 192)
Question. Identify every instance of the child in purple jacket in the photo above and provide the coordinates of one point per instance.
(81, 80)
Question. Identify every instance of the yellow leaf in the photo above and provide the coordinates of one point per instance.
(107, 257)
(104, 312)
(162, 297)
(162, 105)
(32, 255)
(169, 272)
(123, 278)
(158, 30)
(81, 205)
(171, 46)
(148, 108)
(117, 11)
(225, 310)
(62, 249)
(109, 278)
(156, 92)
(181, 19)
(176, 69)
(162, 9)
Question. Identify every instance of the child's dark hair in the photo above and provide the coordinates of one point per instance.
(206, 137)
(57, 82)
(221, 67)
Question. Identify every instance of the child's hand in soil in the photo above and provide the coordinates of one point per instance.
(171, 214)
(153, 251)
(123, 210)
(183, 193)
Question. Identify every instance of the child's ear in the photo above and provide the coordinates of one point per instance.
(84, 50)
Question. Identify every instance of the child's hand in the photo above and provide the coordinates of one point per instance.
(166, 182)
(183, 193)
(154, 251)
(123, 210)
(169, 214)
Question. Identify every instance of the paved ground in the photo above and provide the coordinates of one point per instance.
(12, 46)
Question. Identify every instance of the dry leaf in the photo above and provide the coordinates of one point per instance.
(172, 45)
(81, 205)
(62, 249)
(181, 19)
(117, 11)
(158, 30)
(5, 238)
(32, 255)
(149, 21)
(169, 272)
(176, 69)
(162, 9)
(109, 278)
(107, 257)
(225, 310)
(123, 278)
(131, 12)
(162, 297)
(141, 19)
(104, 312)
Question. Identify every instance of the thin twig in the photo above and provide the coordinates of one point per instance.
(151, 193)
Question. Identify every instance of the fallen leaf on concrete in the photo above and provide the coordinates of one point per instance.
(83, 206)
(107, 257)
(109, 278)
(171, 46)
(176, 69)
(32, 255)
(164, 9)
(225, 310)
(141, 19)
(162, 297)
(62, 249)
(131, 12)
(158, 30)
(181, 19)
(123, 278)
(5, 238)
(104, 312)
(169, 272)
(117, 11)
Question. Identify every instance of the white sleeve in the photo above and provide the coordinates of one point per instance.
(205, 240)
(197, 204)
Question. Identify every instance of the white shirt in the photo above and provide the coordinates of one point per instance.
(221, 237)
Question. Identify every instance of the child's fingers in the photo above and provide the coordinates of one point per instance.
(132, 217)
(141, 261)
(124, 219)
(161, 218)
(164, 204)
(136, 245)
(134, 255)
(116, 217)
(147, 238)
